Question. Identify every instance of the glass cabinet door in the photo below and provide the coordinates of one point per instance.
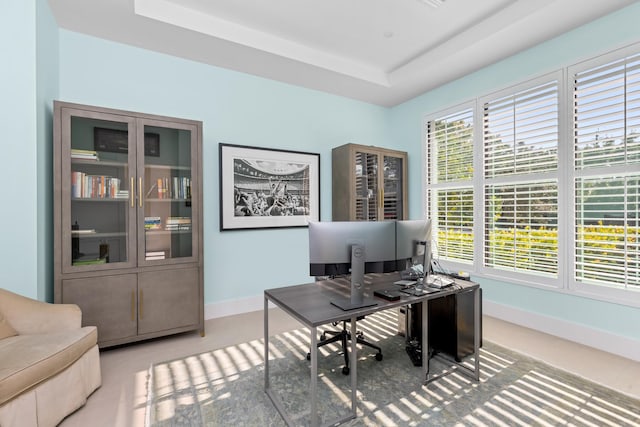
(393, 185)
(96, 191)
(167, 212)
(367, 187)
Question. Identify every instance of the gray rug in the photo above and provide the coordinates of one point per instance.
(225, 387)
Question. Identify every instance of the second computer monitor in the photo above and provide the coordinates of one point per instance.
(413, 244)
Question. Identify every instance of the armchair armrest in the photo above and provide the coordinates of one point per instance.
(29, 316)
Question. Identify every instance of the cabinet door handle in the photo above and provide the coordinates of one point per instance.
(140, 190)
(133, 306)
(131, 191)
(140, 305)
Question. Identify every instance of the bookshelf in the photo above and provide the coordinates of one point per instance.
(128, 221)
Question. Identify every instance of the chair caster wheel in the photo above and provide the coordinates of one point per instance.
(308, 356)
(378, 356)
(345, 370)
(323, 337)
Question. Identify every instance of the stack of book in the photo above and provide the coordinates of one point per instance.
(84, 154)
(122, 194)
(152, 223)
(92, 259)
(155, 255)
(178, 223)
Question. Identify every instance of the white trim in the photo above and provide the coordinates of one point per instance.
(233, 307)
(601, 340)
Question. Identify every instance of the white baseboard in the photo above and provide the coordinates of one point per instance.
(230, 308)
(601, 340)
(581, 334)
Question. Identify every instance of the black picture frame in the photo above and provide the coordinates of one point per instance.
(267, 188)
(117, 141)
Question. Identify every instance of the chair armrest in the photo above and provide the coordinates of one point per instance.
(29, 316)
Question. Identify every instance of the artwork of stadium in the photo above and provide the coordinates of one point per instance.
(269, 188)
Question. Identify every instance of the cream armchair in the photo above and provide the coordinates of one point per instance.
(49, 363)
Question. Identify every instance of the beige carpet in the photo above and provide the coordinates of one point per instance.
(226, 387)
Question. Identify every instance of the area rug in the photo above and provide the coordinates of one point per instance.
(225, 387)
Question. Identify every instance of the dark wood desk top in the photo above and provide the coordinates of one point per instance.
(310, 303)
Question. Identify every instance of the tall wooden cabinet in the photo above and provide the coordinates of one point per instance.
(369, 183)
(128, 221)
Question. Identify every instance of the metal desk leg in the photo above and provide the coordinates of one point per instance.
(314, 377)
(266, 343)
(425, 341)
(354, 364)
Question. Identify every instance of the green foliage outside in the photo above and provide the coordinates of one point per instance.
(600, 251)
(604, 253)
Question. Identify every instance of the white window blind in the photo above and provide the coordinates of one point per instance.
(450, 184)
(606, 147)
(520, 140)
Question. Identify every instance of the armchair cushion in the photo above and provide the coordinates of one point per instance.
(28, 360)
(6, 330)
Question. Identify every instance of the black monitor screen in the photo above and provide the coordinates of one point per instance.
(330, 246)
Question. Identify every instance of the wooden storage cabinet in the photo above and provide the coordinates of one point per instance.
(128, 221)
(368, 183)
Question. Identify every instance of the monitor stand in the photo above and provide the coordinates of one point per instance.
(357, 299)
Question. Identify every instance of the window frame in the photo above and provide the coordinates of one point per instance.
(426, 204)
(600, 292)
(520, 277)
(565, 175)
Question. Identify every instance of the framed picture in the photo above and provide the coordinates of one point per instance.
(268, 188)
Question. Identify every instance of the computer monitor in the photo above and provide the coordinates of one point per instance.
(355, 248)
(413, 244)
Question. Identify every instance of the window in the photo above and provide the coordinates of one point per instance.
(520, 179)
(450, 184)
(555, 192)
(606, 172)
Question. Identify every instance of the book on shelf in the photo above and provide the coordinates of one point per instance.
(90, 259)
(172, 188)
(181, 187)
(178, 223)
(155, 255)
(84, 154)
(85, 231)
(164, 189)
(84, 185)
(152, 223)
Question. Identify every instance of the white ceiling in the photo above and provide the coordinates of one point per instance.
(379, 51)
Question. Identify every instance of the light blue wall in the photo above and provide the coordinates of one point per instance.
(19, 172)
(47, 78)
(611, 32)
(235, 108)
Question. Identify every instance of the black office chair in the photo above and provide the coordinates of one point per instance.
(344, 336)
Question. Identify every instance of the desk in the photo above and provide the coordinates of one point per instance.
(310, 305)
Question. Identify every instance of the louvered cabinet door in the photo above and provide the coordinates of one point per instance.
(369, 183)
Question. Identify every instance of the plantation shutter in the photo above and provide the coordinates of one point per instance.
(450, 185)
(520, 141)
(606, 147)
